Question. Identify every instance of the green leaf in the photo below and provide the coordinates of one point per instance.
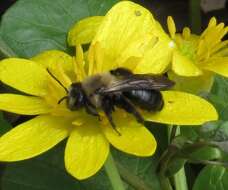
(47, 172)
(189, 132)
(216, 133)
(5, 50)
(174, 165)
(32, 26)
(212, 130)
(206, 153)
(220, 88)
(219, 96)
(224, 113)
(144, 168)
(43, 173)
(212, 178)
(4, 125)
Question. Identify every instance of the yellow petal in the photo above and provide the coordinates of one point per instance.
(86, 151)
(217, 65)
(33, 137)
(125, 23)
(183, 66)
(27, 105)
(24, 75)
(156, 60)
(98, 57)
(183, 109)
(51, 57)
(134, 139)
(194, 85)
(84, 30)
(54, 58)
(133, 54)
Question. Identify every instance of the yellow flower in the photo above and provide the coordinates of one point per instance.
(146, 39)
(154, 47)
(206, 52)
(190, 59)
(88, 138)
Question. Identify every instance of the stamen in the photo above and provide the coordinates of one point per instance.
(171, 27)
(212, 22)
(79, 63)
(220, 46)
(186, 33)
(98, 56)
(91, 59)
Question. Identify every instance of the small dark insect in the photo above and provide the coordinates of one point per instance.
(117, 88)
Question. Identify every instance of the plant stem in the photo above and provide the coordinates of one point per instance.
(165, 183)
(133, 180)
(195, 15)
(180, 180)
(113, 173)
(171, 132)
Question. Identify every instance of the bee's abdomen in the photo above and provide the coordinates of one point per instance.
(150, 100)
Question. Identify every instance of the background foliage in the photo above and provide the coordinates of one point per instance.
(32, 26)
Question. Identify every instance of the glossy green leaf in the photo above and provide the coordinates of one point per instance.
(5, 50)
(212, 178)
(189, 132)
(174, 166)
(32, 26)
(47, 172)
(211, 130)
(4, 125)
(44, 172)
(206, 153)
(143, 168)
(219, 96)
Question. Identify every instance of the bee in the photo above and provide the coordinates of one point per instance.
(117, 88)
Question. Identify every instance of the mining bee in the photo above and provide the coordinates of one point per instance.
(117, 88)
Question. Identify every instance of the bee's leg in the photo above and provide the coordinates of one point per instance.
(90, 109)
(124, 103)
(107, 107)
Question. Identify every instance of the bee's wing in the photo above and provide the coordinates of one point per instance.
(137, 82)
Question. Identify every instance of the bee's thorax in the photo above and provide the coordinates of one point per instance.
(95, 82)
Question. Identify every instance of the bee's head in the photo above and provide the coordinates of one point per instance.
(76, 97)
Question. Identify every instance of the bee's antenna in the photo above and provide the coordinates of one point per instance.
(63, 98)
(57, 81)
